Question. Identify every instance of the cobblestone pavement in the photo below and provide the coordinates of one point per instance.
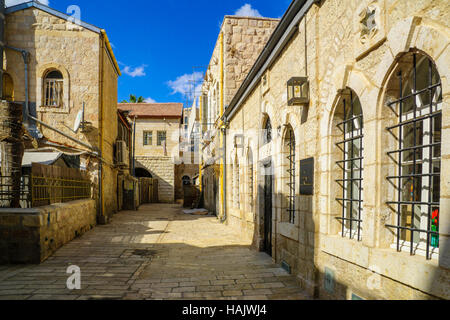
(155, 253)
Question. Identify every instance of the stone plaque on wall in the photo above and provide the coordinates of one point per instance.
(307, 177)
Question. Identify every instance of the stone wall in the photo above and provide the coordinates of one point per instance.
(243, 38)
(89, 76)
(163, 169)
(329, 50)
(33, 235)
(172, 128)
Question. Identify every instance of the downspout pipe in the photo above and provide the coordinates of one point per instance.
(224, 159)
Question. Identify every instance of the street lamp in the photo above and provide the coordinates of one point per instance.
(298, 91)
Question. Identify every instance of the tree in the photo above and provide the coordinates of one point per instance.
(133, 99)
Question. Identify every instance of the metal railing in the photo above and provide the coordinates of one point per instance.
(38, 191)
(49, 190)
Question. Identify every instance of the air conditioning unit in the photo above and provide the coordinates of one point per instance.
(122, 154)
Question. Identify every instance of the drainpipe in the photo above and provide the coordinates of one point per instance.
(224, 157)
(222, 127)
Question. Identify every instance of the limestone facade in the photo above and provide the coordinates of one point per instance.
(243, 40)
(159, 160)
(358, 47)
(82, 55)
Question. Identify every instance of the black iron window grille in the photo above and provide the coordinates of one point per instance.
(418, 158)
(267, 131)
(351, 165)
(290, 143)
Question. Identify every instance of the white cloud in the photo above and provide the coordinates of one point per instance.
(136, 72)
(184, 84)
(10, 3)
(247, 11)
(150, 100)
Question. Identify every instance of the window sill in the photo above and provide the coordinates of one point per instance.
(288, 230)
(419, 250)
(44, 109)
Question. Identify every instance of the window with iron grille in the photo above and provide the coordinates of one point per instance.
(148, 138)
(161, 137)
(267, 134)
(291, 171)
(351, 147)
(53, 89)
(418, 106)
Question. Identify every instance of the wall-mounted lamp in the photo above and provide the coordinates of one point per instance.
(298, 91)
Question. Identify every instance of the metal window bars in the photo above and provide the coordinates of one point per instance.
(352, 170)
(48, 190)
(53, 92)
(421, 195)
(291, 173)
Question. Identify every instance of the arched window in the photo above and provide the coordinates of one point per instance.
(267, 131)
(290, 173)
(8, 87)
(53, 89)
(415, 98)
(349, 123)
(186, 181)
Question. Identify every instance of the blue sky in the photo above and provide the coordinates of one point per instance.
(157, 43)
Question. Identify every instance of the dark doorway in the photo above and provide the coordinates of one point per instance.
(268, 182)
(143, 173)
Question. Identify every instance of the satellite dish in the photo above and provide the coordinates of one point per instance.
(78, 121)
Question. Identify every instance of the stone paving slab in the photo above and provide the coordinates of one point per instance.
(156, 253)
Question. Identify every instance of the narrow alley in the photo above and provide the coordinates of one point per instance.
(154, 253)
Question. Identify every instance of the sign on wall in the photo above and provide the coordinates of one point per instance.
(307, 177)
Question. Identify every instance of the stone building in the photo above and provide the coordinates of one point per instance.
(241, 40)
(337, 148)
(126, 183)
(187, 168)
(70, 66)
(157, 140)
